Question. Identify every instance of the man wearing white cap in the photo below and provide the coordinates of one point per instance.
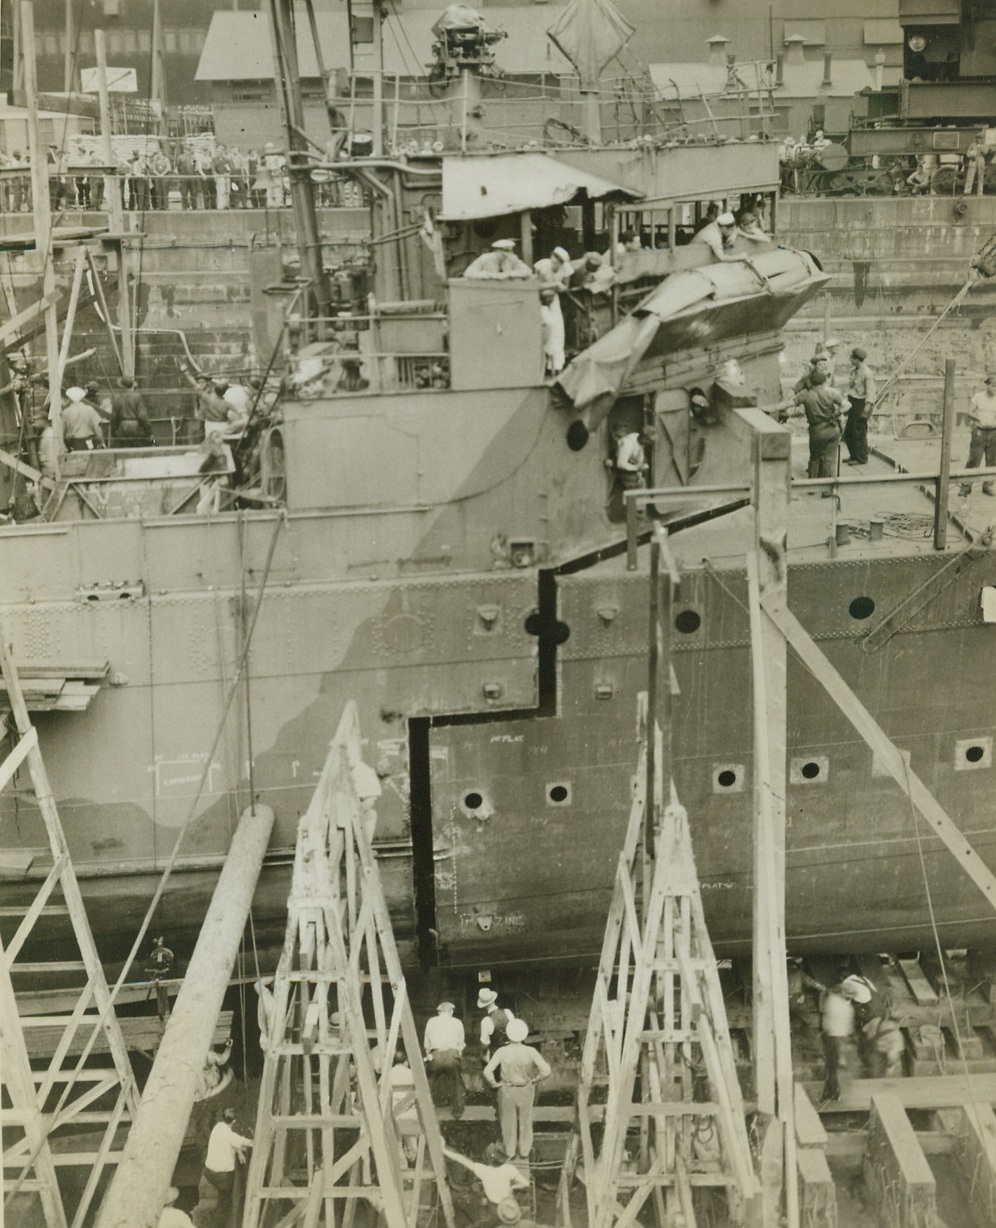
(444, 1043)
(556, 269)
(499, 264)
(494, 1025)
(80, 422)
(171, 1216)
(720, 236)
(521, 1068)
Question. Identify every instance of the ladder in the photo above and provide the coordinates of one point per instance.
(330, 1124)
(60, 1072)
(658, 1058)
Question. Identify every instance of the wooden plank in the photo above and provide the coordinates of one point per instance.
(888, 753)
(17, 757)
(976, 1155)
(10, 331)
(90, 668)
(929, 1092)
(921, 989)
(897, 1173)
(809, 1131)
(26, 471)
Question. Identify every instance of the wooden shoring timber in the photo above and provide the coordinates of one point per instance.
(889, 755)
(976, 1155)
(657, 1016)
(45, 1101)
(340, 1012)
(896, 1170)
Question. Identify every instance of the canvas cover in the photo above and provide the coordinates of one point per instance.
(487, 186)
(590, 33)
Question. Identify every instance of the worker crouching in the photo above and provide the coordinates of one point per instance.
(521, 1067)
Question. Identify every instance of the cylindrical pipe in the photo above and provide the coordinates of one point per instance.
(138, 1191)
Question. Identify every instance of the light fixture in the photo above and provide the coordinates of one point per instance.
(917, 42)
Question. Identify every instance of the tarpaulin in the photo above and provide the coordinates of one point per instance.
(590, 33)
(510, 183)
(691, 309)
(458, 17)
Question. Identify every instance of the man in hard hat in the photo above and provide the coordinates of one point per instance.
(521, 1068)
(81, 423)
(499, 264)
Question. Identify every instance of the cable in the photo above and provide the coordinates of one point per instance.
(933, 920)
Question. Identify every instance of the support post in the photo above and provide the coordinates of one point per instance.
(943, 476)
(115, 212)
(43, 222)
(138, 1192)
(767, 576)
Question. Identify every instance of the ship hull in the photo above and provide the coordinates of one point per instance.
(523, 808)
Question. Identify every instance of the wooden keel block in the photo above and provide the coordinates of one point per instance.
(976, 1154)
(817, 1193)
(896, 1170)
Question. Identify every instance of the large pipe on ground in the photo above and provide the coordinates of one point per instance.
(138, 1191)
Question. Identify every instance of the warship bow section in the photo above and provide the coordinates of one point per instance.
(443, 540)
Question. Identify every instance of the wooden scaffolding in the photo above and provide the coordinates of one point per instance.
(68, 1112)
(330, 1124)
(658, 1059)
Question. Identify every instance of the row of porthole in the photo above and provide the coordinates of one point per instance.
(557, 794)
(729, 778)
(689, 621)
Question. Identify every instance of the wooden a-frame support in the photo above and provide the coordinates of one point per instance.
(658, 1051)
(63, 1096)
(326, 1138)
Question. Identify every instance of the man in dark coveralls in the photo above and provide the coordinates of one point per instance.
(821, 404)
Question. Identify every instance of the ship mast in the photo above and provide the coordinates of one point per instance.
(42, 223)
(288, 82)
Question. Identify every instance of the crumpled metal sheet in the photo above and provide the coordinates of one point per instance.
(694, 307)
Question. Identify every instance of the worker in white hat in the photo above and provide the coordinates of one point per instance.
(443, 1043)
(499, 264)
(521, 1067)
(171, 1216)
(720, 237)
(80, 422)
(494, 1025)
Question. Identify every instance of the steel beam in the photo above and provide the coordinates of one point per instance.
(138, 1192)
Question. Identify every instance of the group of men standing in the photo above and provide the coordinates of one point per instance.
(823, 404)
(511, 1067)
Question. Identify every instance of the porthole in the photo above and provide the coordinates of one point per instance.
(861, 607)
(558, 794)
(809, 770)
(473, 801)
(688, 622)
(728, 778)
(973, 754)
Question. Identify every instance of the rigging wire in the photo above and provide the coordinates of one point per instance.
(933, 921)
